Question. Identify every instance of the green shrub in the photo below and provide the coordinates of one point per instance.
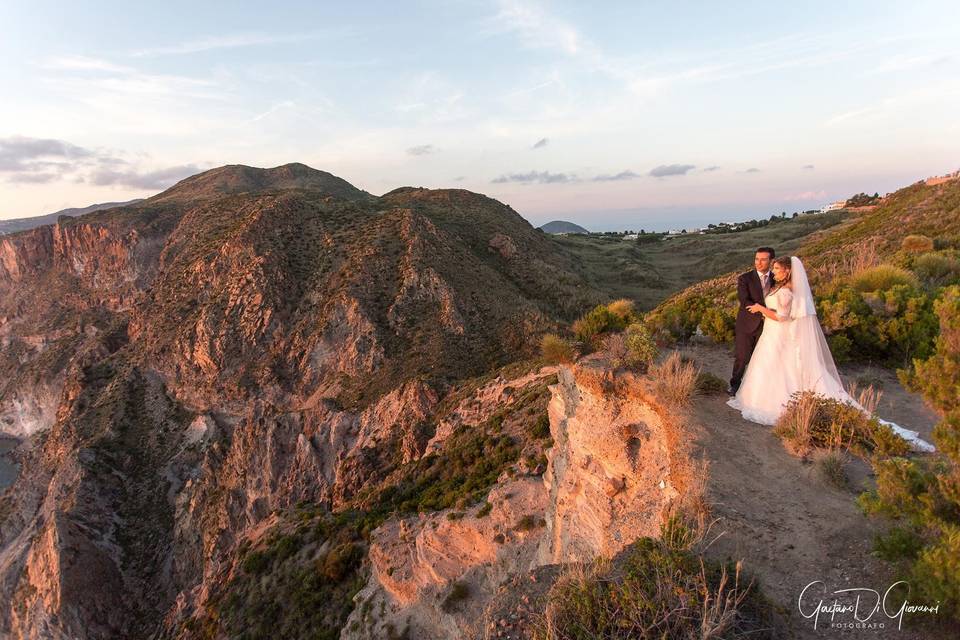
(811, 421)
(541, 428)
(923, 494)
(599, 320)
(659, 591)
(555, 349)
(718, 323)
(883, 277)
(890, 325)
(529, 522)
(937, 269)
(897, 544)
(641, 349)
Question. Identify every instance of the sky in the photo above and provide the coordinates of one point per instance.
(617, 115)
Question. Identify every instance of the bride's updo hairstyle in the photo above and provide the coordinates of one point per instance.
(785, 264)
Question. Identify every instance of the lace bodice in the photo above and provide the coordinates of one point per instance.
(780, 301)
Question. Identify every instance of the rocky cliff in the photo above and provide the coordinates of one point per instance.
(188, 369)
(614, 470)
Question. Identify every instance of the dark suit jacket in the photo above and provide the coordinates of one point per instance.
(749, 291)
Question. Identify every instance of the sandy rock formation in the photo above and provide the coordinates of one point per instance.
(609, 480)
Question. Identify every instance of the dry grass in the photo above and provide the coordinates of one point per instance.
(675, 380)
(796, 428)
(867, 397)
(856, 260)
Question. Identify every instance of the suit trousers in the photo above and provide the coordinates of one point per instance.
(744, 344)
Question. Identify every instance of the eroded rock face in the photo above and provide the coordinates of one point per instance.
(608, 475)
(190, 364)
(607, 482)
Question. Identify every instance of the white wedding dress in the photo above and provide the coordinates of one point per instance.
(792, 355)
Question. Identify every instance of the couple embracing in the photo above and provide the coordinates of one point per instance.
(780, 346)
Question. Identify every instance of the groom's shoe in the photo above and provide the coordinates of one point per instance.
(731, 391)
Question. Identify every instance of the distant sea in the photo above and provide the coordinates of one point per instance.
(668, 219)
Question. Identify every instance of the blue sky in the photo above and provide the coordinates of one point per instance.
(619, 115)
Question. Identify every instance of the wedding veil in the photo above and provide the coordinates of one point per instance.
(816, 368)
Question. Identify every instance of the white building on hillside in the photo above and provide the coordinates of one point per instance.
(833, 206)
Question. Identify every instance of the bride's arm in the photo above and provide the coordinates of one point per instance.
(784, 298)
(767, 311)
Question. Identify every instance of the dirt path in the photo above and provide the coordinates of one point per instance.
(789, 525)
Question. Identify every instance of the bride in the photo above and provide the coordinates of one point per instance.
(792, 354)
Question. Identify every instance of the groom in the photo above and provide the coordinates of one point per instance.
(752, 287)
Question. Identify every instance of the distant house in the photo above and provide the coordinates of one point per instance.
(631, 236)
(839, 204)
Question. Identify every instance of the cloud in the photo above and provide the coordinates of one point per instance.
(671, 170)
(711, 168)
(808, 166)
(752, 170)
(806, 195)
(535, 27)
(541, 143)
(623, 175)
(33, 178)
(17, 153)
(459, 178)
(906, 63)
(421, 150)
(25, 160)
(158, 179)
(224, 42)
(542, 177)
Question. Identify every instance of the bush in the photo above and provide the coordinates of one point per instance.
(660, 591)
(811, 421)
(916, 244)
(623, 309)
(641, 349)
(718, 323)
(892, 326)
(541, 428)
(599, 320)
(937, 269)
(615, 348)
(883, 277)
(924, 494)
(555, 349)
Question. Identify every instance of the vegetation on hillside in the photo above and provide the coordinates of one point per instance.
(658, 588)
(922, 495)
(876, 280)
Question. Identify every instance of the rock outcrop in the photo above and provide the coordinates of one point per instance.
(614, 471)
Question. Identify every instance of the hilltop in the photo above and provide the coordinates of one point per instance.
(22, 224)
(561, 226)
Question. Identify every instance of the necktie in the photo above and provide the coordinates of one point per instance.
(766, 283)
